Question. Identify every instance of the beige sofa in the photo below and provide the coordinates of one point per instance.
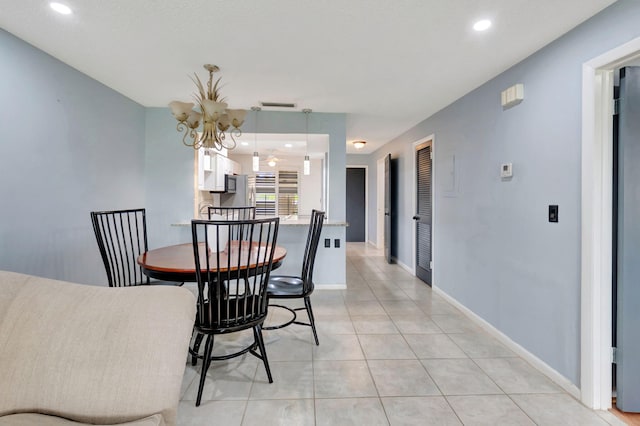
(78, 354)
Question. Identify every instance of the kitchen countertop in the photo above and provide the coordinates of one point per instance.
(285, 222)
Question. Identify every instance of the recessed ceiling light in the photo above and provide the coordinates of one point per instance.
(288, 145)
(482, 25)
(60, 8)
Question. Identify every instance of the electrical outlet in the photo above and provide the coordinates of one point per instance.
(327, 242)
(336, 242)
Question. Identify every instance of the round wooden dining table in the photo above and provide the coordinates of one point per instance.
(176, 263)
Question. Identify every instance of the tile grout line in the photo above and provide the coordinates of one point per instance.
(367, 362)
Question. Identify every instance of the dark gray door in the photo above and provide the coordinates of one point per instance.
(423, 216)
(628, 253)
(387, 208)
(355, 204)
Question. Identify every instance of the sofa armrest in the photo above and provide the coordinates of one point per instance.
(93, 354)
(32, 419)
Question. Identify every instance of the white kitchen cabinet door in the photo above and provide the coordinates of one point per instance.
(211, 170)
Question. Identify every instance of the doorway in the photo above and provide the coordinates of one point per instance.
(388, 193)
(596, 223)
(380, 203)
(356, 206)
(626, 240)
(424, 210)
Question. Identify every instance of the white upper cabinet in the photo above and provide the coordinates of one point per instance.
(212, 167)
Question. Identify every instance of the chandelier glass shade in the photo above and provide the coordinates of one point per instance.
(210, 126)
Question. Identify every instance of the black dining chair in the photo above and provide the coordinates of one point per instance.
(233, 261)
(299, 287)
(122, 237)
(227, 213)
(233, 213)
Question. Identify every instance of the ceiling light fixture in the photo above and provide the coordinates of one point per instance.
(482, 25)
(256, 157)
(272, 160)
(306, 166)
(359, 144)
(62, 9)
(217, 118)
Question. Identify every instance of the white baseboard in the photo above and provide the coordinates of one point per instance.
(536, 362)
(403, 265)
(330, 287)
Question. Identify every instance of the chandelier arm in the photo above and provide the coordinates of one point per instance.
(183, 128)
(197, 141)
(233, 133)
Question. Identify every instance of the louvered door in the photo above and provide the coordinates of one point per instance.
(424, 214)
(387, 208)
(628, 243)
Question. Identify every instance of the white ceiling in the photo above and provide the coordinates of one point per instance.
(387, 64)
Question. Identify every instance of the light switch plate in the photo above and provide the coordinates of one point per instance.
(506, 170)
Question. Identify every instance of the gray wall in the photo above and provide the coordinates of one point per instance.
(68, 145)
(494, 250)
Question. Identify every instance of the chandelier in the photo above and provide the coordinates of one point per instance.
(217, 120)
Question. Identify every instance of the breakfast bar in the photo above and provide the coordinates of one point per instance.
(330, 265)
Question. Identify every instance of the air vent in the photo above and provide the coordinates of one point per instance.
(277, 105)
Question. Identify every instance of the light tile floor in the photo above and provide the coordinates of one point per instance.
(391, 353)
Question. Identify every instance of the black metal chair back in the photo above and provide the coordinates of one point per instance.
(232, 297)
(313, 239)
(121, 237)
(233, 213)
(233, 262)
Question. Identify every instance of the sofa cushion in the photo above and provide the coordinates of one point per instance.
(30, 419)
(92, 354)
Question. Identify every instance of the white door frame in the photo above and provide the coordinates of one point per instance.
(366, 198)
(597, 215)
(414, 205)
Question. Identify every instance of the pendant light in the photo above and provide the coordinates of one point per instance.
(306, 169)
(256, 157)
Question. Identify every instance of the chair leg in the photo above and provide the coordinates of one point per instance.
(196, 347)
(257, 334)
(307, 304)
(206, 361)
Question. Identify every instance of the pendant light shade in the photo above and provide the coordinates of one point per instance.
(256, 157)
(307, 165)
(256, 162)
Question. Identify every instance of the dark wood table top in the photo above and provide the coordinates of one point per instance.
(176, 263)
